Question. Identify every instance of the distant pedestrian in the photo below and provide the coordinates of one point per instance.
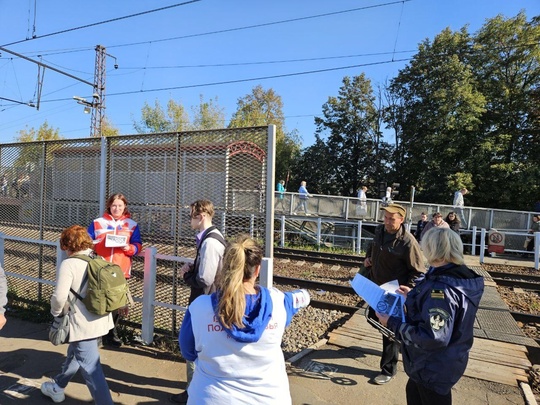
(85, 327)
(420, 226)
(535, 227)
(303, 198)
(453, 221)
(459, 204)
(361, 208)
(280, 194)
(4, 186)
(436, 222)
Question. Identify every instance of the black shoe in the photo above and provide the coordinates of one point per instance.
(181, 398)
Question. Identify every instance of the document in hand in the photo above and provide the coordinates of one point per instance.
(381, 298)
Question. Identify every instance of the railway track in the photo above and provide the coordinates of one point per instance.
(318, 257)
(524, 281)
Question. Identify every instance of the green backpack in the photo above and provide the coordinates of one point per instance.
(107, 287)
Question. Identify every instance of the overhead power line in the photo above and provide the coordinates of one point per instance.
(103, 22)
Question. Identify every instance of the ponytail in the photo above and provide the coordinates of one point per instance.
(241, 259)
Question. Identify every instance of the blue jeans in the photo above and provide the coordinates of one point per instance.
(85, 355)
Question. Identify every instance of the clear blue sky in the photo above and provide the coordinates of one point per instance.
(187, 51)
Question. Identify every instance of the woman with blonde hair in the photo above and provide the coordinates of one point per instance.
(437, 334)
(234, 335)
(84, 326)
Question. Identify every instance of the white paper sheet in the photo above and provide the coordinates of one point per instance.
(115, 240)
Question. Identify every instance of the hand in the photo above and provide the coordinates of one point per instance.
(403, 290)
(124, 311)
(383, 319)
(185, 268)
(367, 262)
(3, 320)
(126, 248)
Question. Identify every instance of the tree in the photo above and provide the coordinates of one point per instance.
(156, 120)
(436, 111)
(208, 114)
(107, 129)
(314, 166)
(43, 133)
(265, 107)
(356, 153)
(507, 64)
(30, 155)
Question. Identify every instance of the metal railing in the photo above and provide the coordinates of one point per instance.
(147, 299)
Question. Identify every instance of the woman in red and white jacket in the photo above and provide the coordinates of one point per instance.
(116, 238)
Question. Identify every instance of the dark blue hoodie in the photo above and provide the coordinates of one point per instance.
(437, 334)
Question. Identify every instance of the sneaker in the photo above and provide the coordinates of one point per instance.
(382, 379)
(181, 398)
(53, 391)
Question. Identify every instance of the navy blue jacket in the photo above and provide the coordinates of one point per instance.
(437, 334)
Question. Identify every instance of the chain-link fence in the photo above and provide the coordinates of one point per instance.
(47, 186)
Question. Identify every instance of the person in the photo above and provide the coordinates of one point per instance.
(85, 327)
(235, 334)
(420, 226)
(303, 198)
(436, 222)
(201, 275)
(3, 297)
(393, 254)
(362, 202)
(459, 203)
(535, 227)
(280, 194)
(4, 185)
(116, 221)
(437, 334)
(453, 221)
(387, 199)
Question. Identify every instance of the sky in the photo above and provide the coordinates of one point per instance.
(214, 49)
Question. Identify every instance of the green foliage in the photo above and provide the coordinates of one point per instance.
(465, 110)
(353, 152)
(265, 107)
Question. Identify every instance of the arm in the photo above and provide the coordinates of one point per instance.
(3, 297)
(415, 262)
(210, 257)
(293, 301)
(135, 243)
(434, 328)
(61, 291)
(186, 339)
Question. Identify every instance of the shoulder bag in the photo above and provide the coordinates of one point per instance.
(59, 328)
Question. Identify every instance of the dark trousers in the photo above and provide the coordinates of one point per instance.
(419, 395)
(390, 351)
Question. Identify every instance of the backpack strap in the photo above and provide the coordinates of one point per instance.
(85, 279)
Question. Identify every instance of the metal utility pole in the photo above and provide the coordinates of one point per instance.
(98, 103)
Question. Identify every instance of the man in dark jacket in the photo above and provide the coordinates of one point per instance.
(394, 254)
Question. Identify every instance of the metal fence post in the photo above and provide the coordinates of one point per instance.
(2, 247)
(266, 275)
(319, 230)
(103, 175)
(282, 242)
(536, 250)
(359, 237)
(473, 241)
(149, 294)
(482, 244)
